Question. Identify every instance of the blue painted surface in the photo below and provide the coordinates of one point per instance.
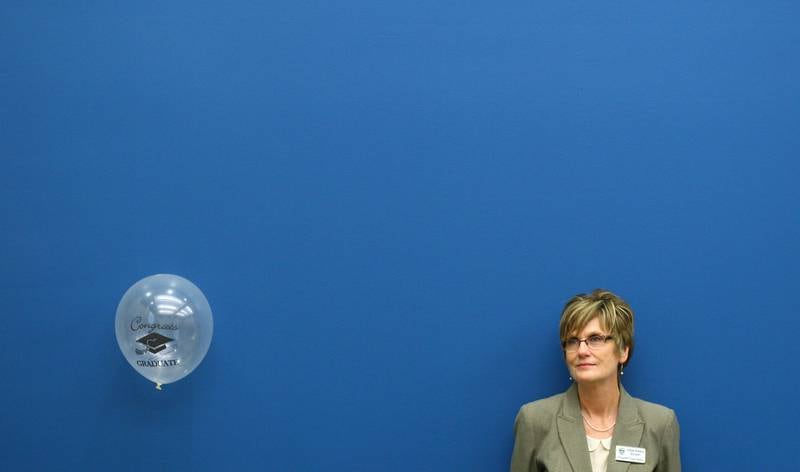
(386, 205)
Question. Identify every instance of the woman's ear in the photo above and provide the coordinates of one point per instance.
(623, 356)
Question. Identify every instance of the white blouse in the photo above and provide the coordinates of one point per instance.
(598, 453)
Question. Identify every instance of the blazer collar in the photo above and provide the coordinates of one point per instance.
(628, 431)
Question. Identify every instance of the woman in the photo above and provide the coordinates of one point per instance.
(595, 426)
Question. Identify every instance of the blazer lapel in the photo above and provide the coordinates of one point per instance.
(628, 432)
(571, 432)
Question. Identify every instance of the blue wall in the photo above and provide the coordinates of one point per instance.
(387, 204)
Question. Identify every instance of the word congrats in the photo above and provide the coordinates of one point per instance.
(138, 324)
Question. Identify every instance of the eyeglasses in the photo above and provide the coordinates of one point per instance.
(594, 341)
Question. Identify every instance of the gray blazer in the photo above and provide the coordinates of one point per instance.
(550, 436)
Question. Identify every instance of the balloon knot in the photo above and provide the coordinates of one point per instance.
(158, 386)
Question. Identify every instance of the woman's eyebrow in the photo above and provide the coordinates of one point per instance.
(594, 333)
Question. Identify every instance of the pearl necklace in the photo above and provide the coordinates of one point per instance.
(595, 427)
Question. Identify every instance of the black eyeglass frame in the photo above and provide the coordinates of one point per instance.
(598, 339)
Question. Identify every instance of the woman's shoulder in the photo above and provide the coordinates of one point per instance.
(653, 411)
(542, 406)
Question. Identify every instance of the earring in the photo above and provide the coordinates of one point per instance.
(621, 371)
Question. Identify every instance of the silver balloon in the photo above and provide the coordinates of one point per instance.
(164, 327)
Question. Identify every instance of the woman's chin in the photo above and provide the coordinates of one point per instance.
(588, 377)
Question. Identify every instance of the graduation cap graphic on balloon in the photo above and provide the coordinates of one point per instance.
(155, 343)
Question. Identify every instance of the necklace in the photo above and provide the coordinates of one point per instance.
(595, 427)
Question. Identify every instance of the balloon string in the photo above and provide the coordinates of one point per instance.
(158, 386)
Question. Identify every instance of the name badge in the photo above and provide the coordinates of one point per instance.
(630, 454)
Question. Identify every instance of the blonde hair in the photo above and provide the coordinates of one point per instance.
(614, 314)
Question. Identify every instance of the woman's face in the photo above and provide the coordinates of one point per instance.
(598, 364)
